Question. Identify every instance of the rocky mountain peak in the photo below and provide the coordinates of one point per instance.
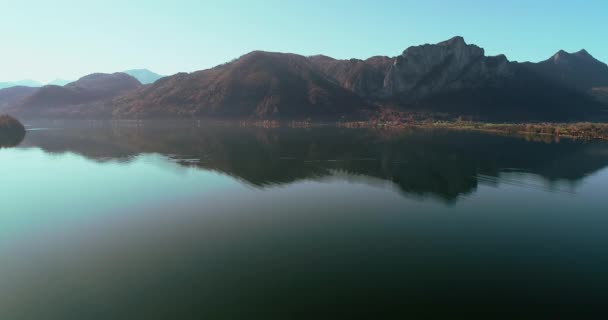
(421, 70)
(563, 57)
(584, 55)
(455, 45)
(455, 41)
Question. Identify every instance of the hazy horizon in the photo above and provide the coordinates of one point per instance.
(167, 38)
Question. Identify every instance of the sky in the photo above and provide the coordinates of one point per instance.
(45, 40)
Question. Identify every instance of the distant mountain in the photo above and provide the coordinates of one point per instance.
(21, 83)
(59, 101)
(32, 83)
(59, 82)
(144, 76)
(259, 84)
(14, 95)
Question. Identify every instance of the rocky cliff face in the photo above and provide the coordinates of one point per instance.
(457, 78)
(450, 65)
(419, 72)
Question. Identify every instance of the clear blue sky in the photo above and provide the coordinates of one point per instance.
(44, 40)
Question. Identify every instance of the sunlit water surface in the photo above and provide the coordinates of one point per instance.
(182, 220)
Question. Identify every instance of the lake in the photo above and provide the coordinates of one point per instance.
(180, 220)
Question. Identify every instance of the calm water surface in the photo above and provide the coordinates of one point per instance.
(177, 220)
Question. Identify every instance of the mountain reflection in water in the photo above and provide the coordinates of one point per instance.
(439, 163)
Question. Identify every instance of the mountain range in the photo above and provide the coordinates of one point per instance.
(259, 84)
(451, 78)
(61, 100)
(14, 94)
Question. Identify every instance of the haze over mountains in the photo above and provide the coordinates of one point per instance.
(32, 83)
(20, 83)
(144, 76)
(58, 82)
(15, 93)
(58, 101)
(450, 77)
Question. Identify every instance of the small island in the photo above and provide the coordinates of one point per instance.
(12, 132)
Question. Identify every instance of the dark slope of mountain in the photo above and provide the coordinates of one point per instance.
(523, 96)
(364, 77)
(144, 76)
(578, 70)
(601, 94)
(257, 85)
(14, 95)
(22, 83)
(60, 101)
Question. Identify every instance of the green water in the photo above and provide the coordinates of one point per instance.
(188, 221)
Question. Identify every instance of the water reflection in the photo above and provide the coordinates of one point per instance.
(115, 221)
(437, 163)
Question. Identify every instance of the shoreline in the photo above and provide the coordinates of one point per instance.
(575, 130)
